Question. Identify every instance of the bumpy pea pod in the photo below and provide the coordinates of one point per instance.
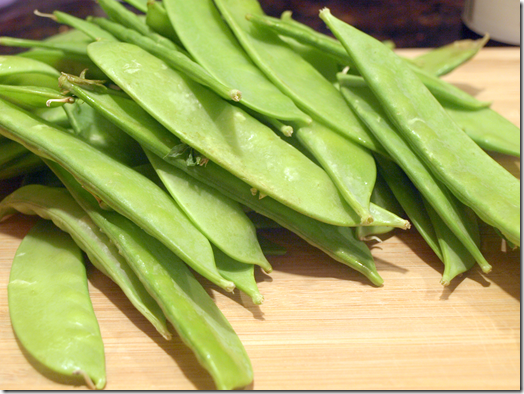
(158, 20)
(327, 44)
(218, 51)
(223, 133)
(310, 91)
(185, 303)
(76, 48)
(116, 185)
(50, 308)
(472, 175)
(97, 131)
(34, 96)
(337, 242)
(175, 59)
(120, 14)
(24, 164)
(10, 150)
(218, 217)
(443, 60)
(445, 203)
(56, 204)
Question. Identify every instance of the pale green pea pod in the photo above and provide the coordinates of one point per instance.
(56, 204)
(16, 65)
(219, 218)
(310, 91)
(49, 305)
(158, 20)
(472, 175)
(116, 185)
(76, 48)
(338, 242)
(223, 57)
(185, 303)
(56, 116)
(68, 35)
(363, 102)
(443, 60)
(34, 96)
(223, 133)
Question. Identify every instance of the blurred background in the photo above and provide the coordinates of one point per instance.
(409, 23)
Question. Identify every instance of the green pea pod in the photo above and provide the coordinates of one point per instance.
(455, 256)
(158, 20)
(337, 242)
(218, 217)
(77, 48)
(141, 5)
(56, 115)
(175, 59)
(441, 61)
(223, 133)
(120, 14)
(56, 204)
(116, 185)
(445, 203)
(100, 133)
(34, 96)
(222, 56)
(185, 303)
(490, 130)
(328, 45)
(473, 176)
(10, 150)
(69, 35)
(50, 308)
(90, 29)
(310, 91)
(22, 165)
(17, 65)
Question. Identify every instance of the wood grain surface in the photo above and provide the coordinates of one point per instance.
(322, 325)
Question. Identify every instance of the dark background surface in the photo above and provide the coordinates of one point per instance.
(409, 23)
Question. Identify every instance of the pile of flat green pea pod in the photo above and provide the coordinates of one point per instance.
(198, 122)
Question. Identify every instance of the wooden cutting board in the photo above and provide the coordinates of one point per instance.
(322, 325)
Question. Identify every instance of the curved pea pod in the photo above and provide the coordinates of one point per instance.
(77, 48)
(223, 133)
(89, 29)
(10, 150)
(472, 175)
(16, 65)
(24, 164)
(222, 56)
(444, 202)
(34, 96)
(490, 130)
(116, 185)
(141, 5)
(56, 204)
(50, 308)
(158, 20)
(441, 61)
(310, 91)
(185, 303)
(221, 219)
(100, 133)
(339, 243)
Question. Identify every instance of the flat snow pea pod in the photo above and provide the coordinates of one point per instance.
(455, 256)
(34, 96)
(10, 150)
(77, 48)
(472, 175)
(175, 59)
(56, 204)
(490, 130)
(337, 242)
(120, 14)
(223, 133)
(16, 65)
(50, 308)
(116, 185)
(241, 274)
(97, 131)
(330, 46)
(350, 166)
(441, 61)
(219, 218)
(158, 20)
(90, 29)
(444, 202)
(310, 91)
(219, 52)
(185, 303)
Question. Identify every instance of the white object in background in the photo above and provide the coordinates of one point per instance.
(499, 18)
(5, 3)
